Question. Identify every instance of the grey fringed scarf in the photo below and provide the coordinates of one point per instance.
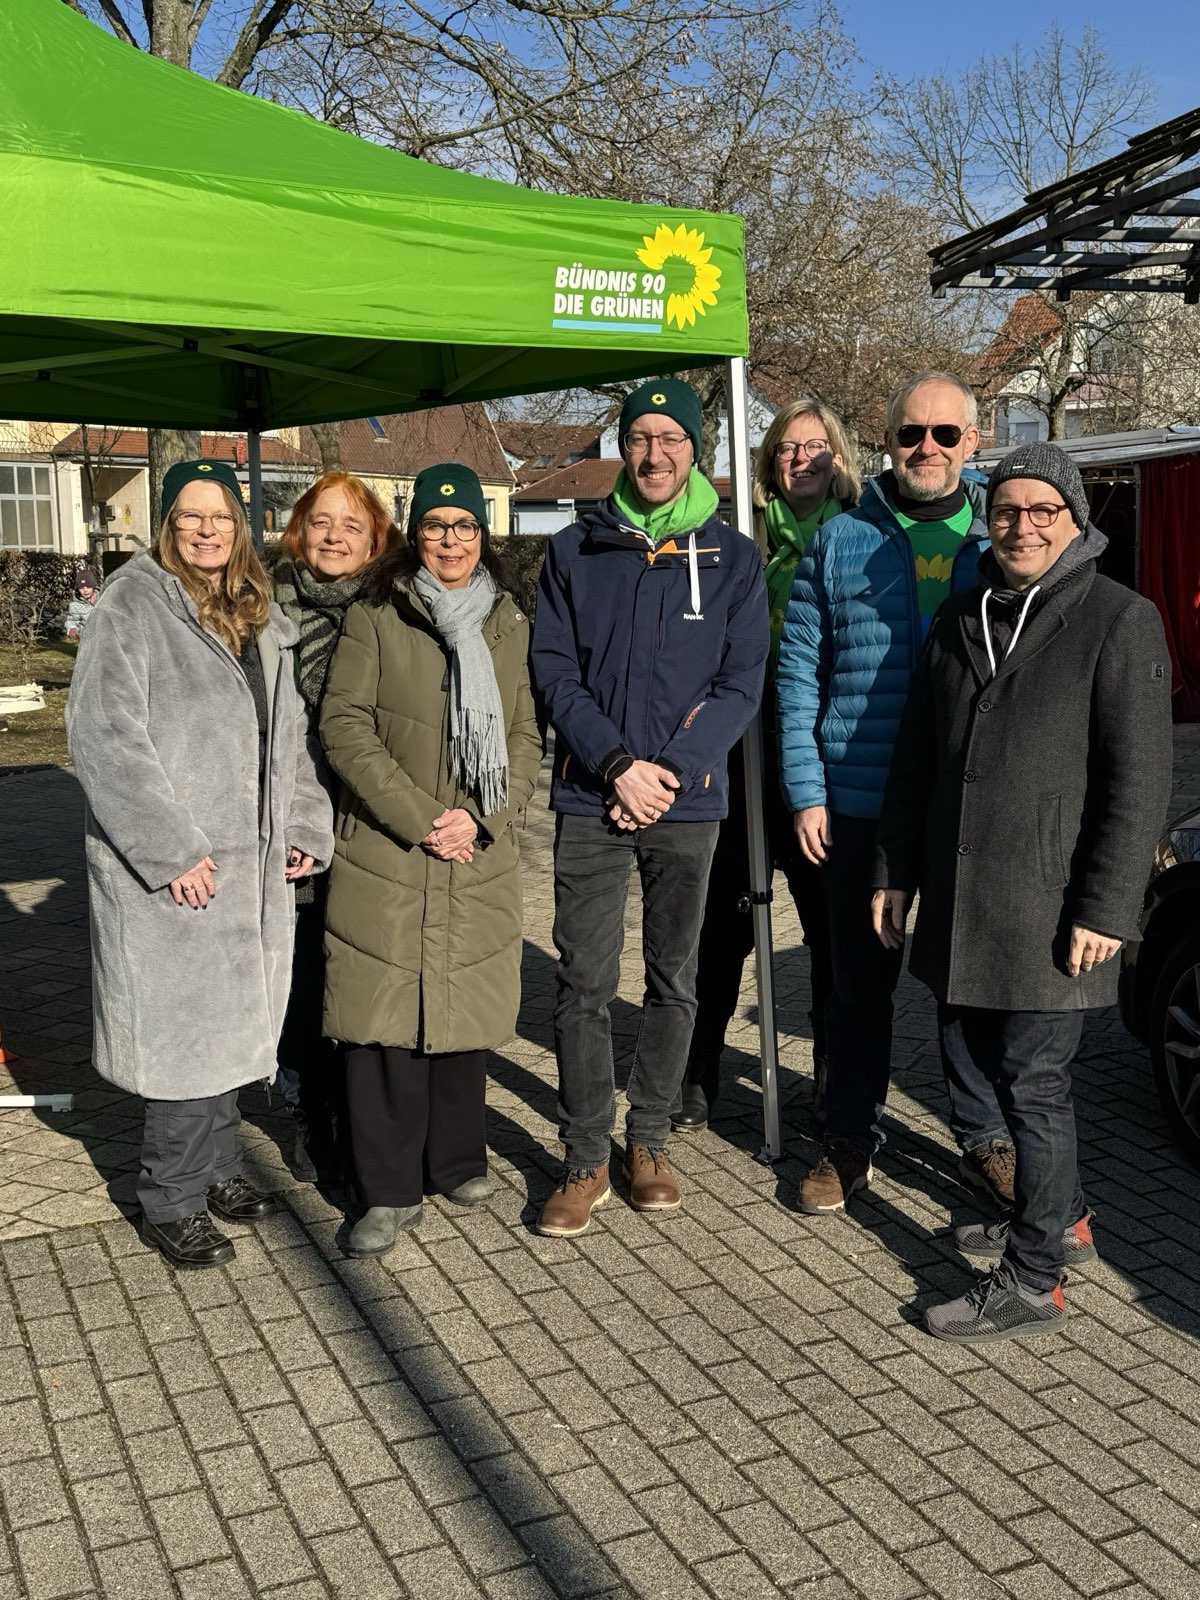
(478, 749)
(318, 609)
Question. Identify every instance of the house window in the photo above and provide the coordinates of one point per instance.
(489, 505)
(378, 431)
(26, 514)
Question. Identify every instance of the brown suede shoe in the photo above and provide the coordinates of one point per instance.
(992, 1169)
(837, 1175)
(569, 1209)
(652, 1184)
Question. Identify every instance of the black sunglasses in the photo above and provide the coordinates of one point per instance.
(944, 433)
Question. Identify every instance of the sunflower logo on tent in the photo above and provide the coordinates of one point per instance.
(693, 279)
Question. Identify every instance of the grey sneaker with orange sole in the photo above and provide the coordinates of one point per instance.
(990, 1239)
(999, 1306)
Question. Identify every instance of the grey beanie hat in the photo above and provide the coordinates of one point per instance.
(1050, 464)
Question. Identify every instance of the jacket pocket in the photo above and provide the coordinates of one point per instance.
(1050, 849)
(350, 821)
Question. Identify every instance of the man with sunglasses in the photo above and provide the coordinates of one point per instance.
(648, 651)
(864, 596)
(1027, 790)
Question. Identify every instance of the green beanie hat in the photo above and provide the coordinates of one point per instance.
(448, 483)
(184, 472)
(669, 397)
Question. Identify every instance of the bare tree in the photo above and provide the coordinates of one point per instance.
(974, 145)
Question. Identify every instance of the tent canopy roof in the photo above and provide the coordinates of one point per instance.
(1129, 223)
(181, 254)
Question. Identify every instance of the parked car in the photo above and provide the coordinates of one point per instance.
(1160, 978)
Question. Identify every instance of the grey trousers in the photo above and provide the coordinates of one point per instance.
(187, 1146)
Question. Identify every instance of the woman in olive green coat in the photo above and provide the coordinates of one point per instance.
(428, 722)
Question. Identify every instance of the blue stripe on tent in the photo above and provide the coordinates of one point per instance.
(609, 327)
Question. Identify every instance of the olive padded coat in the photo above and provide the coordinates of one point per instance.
(163, 733)
(420, 953)
(1024, 803)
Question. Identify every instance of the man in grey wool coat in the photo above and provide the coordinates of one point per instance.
(1027, 791)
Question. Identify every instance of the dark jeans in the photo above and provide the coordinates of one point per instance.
(727, 935)
(311, 1075)
(1026, 1056)
(417, 1123)
(592, 862)
(187, 1146)
(859, 1014)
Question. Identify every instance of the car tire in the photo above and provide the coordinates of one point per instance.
(1175, 1041)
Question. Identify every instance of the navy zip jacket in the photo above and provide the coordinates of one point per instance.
(624, 659)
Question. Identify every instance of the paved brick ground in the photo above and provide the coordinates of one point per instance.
(731, 1402)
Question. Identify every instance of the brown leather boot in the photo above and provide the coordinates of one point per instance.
(569, 1209)
(652, 1184)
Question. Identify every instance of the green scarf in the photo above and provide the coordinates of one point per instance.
(691, 510)
(787, 540)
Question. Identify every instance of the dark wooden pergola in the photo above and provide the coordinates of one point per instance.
(1131, 223)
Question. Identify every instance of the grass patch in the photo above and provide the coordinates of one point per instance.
(37, 737)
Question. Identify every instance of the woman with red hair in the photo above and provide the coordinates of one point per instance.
(338, 528)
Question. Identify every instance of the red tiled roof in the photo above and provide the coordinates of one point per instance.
(110, 444)
(416, 439)
(544, 447)
(1028, 328)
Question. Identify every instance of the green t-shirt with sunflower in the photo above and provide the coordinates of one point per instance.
(935, 545)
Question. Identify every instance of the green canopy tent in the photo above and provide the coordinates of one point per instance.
(180, 254)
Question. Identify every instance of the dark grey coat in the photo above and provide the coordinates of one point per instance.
(1024, 804)
(163, 733)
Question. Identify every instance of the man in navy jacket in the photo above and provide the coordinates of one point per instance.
(649, 646)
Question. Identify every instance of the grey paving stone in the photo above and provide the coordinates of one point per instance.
(877, 1507)
(138, 1404)
(101, 1305)
(434, 1466)
(88, 1446)
(1161, 1516)
(354, 1568)
(218, 1580)
(1097, 1516)
(209, 1419)
(395, 1410)
(437, 1575)
(227, 1330)
(69, 1391)
(253, 1380)
(282, 1435)
(975, 1532)
(111, 1511)
(774, 1542)
(396, 1517)
(237, 1481)
(651, 1567)
(676, 1514)
(950, 1575)
(52, 1561)
(568, 1559)
(162, 1462)
(358, 1452)
(134, 1570)
(55, 1341)
(31, 1493)
(727, 1425)
(315, 1499)
(480, 1538)
(993, 1487)
(526, 1583)
(1163, 1573)
(518, 1492)
(856, 1555)
(189, 1529)
(184, 1366)
(323, 1396)
(269, 1547)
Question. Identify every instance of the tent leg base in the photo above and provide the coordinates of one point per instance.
(766, 1159)
(51, 1102)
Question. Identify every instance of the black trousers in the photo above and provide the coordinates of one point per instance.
(416, 1122)
(311, 1075)
(187, 1147)
(727, 934)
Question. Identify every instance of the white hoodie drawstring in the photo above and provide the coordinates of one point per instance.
(694, 574)
(987, 632)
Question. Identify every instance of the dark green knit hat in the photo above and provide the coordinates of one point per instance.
(670, 398)
(448, 483)
(184, 472)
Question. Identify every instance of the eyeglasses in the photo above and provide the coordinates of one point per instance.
(636, 443)
(810, 448)
(1005, 518)
(944, 433)
(222, 521)
(464, 531)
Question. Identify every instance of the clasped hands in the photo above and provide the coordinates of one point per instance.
(197, 886)
(641, 795)
(452, 837)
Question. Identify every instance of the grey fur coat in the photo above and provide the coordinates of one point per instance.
(162, 729)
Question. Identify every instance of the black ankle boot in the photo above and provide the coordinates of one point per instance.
(698, 1096)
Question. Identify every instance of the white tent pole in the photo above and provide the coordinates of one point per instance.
(254, 466)
(760, 861)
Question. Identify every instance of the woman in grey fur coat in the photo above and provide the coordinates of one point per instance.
(192, 745)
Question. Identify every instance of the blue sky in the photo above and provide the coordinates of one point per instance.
(1161, 35)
